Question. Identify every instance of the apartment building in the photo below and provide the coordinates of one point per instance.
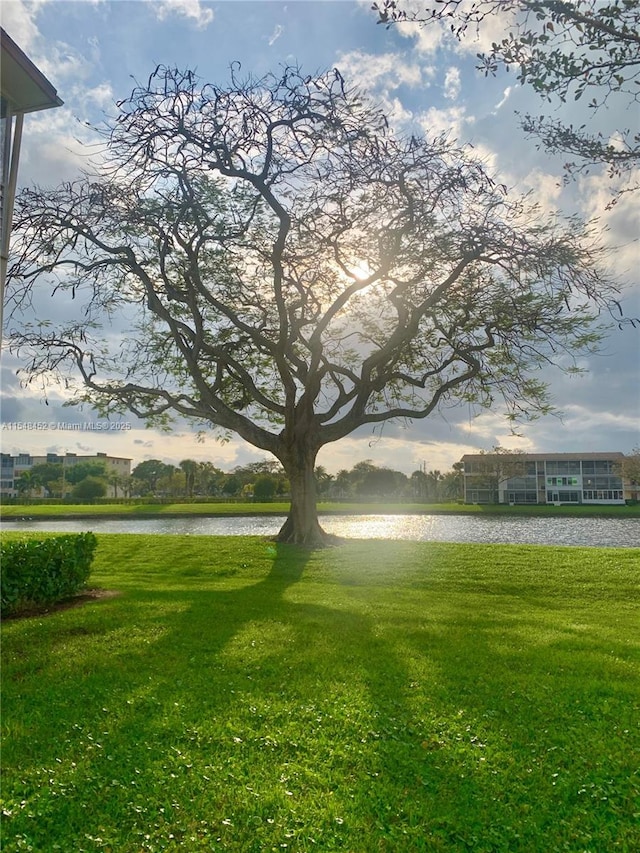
(544, 478)
(12, 468)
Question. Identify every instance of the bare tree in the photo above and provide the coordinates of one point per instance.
(291, 270)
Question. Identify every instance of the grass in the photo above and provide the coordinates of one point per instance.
(9, 511)
(377, 696)
(137, 509)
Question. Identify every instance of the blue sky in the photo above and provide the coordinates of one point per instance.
(93, 51)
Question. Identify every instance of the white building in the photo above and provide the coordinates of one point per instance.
(543, 478)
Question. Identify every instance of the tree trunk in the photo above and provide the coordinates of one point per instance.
(302, 526)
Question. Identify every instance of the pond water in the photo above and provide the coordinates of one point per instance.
(533, 530)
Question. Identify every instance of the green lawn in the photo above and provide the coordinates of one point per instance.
(136, 509)
(152, 509)
(377, 696)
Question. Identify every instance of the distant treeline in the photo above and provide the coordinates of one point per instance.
(265, 480)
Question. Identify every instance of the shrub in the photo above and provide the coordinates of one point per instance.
(43, 571)
(264, 487)
(89, 489)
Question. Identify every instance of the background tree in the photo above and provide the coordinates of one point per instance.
(324, 480)
(89, 488)
(497, 465)
(292, 271)
(127, 484)
(209, 479)
(453, 482)
(48, 475)
(629, 470)
(148, 474)
(563, 50)
(433, 479)
(265, 487)
(232, 486)
(371, 481)
(172, 484)
(418, 484)
(116, 481)
(190, 469)
(80, 470)
(28, 483)
(244, 477)
(343, 484)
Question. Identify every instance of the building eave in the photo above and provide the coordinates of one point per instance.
(24, 87)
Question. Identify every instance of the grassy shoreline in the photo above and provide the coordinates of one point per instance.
(11, 512)
(244, 696)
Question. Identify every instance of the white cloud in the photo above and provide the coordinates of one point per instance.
(275, 35)
(55, 147)
(404, 454)
(494, 28)
(543, 188)
(19, 20)
(452, 84)
(431, 37)
(622, 221)
(61, 62)
(101, 96)
(578, 418)
(381, 75)
(57, 60)
(451, 121)
(427, 40)
(386, 71)
(201, 15)
(135, 444)
(505, 97)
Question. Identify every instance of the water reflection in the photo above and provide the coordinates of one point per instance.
(595, 532)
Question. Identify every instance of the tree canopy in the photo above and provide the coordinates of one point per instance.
(563, 50)
(290, 269)
(78, 471)
(149, 473)
(89, 488)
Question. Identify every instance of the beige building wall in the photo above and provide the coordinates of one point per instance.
(115, 465)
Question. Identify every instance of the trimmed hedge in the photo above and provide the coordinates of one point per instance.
(43, 571)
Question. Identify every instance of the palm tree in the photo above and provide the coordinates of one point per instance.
(433, 481)
(27, 483)
(323, 479)
(190, 468)
(114, 479)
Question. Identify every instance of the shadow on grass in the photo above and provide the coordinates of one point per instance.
(240, 713)
(274, 712)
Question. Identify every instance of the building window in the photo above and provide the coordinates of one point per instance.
(522, 497)
(602, 495)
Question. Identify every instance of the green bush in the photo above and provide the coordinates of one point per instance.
(43, 571)
(89, 489)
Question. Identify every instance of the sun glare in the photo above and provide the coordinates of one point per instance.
(361, 271)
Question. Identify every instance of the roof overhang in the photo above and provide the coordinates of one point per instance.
(24, 87)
